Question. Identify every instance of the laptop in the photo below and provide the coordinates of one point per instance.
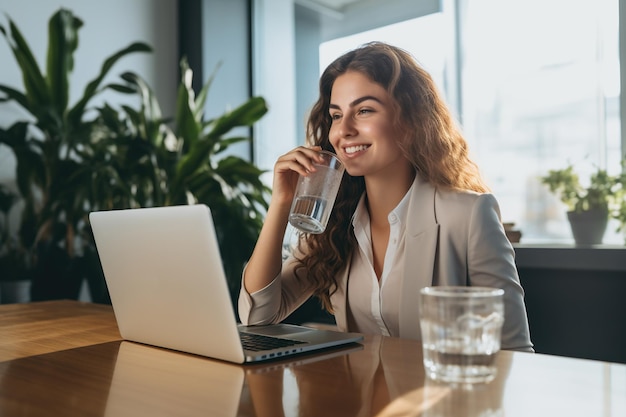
(167, 285)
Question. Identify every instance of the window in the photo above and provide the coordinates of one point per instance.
(409, 35)
(538, 88)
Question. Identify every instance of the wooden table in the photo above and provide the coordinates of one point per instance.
(65, 358)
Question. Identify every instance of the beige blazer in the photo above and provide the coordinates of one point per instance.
(453, 238)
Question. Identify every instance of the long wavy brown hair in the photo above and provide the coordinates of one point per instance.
(430, 139)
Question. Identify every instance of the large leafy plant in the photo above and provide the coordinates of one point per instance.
(184, 161)
(75, 159)
(49, 147)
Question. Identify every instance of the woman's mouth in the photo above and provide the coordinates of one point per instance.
(349, 150)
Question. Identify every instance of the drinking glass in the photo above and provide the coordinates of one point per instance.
(315, 195)
(461, 329)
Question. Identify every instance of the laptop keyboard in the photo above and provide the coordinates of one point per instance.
(258, 342)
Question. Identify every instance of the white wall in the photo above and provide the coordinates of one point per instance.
(226, 42)
(109, 26)
(274, 79)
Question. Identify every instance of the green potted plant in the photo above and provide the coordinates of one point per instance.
(158, 162)
(48, 147)
(589, 207)
(75, 159)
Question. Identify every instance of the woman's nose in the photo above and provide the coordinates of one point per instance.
(347, 127)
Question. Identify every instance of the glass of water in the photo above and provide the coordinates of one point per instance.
(315, 195)
(461, 329)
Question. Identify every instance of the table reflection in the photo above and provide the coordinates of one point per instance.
(383, 377)
(352, 381)
(362, 384)
(437, 399)
(150, 381)
(356, 384)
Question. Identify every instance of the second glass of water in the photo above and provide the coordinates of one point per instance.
(461, 328)
(315, 195)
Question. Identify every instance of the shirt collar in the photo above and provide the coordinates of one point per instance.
(400, 212)
(361, 216)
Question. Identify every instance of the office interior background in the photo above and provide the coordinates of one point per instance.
(535, 84)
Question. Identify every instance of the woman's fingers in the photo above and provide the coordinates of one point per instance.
(300, 160)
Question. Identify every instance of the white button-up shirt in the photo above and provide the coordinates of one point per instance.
(372, 304)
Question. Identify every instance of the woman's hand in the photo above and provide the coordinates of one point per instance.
(266, 260)
(289, 167)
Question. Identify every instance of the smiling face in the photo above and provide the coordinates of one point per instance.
(363, 131)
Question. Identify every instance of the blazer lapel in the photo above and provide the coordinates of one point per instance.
(422, 233)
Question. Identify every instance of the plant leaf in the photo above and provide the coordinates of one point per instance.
(62, 43)
(187, 126)
(34, 82)
(77, 111)
(12, 94)
(244, 115)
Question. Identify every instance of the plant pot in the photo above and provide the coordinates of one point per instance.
(588, 227)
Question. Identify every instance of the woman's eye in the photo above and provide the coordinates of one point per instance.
(335, 116)
(365, 111)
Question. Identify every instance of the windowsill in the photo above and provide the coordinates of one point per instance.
(569, 256)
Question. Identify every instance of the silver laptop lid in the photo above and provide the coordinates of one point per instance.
(164, 274)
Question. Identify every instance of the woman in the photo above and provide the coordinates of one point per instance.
(412, 210)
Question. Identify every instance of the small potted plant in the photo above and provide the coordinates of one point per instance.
(591, 207)
(619, 212)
